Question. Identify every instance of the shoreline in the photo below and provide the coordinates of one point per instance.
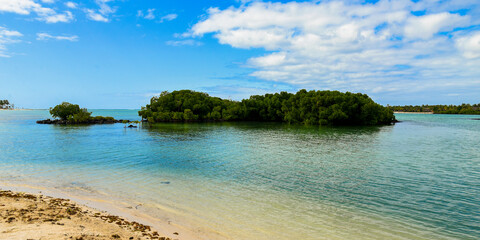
(16, 109)
(29, 216)
(107, 208)
(414, 112)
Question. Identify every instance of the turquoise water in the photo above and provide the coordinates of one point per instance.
(418, 179)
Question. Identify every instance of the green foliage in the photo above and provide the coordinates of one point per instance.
(440, 109)
(304, 107)
(72, 113)
(65, 110)
(5, 104)
(81, 117)
(101, 118)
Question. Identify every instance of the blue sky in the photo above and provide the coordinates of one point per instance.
(119, 53)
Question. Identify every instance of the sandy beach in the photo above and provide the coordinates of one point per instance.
(34, 216)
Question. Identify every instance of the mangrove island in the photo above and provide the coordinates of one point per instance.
(68, 113)
(5, 104)
(304, 107)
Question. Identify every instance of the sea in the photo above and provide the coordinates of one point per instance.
(417, 179)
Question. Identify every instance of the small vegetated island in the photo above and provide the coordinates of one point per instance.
(439, 109)
(68, 113)
(303, 107)
(5, 104)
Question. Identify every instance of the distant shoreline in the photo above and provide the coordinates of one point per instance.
(21, 109)
(416, 112)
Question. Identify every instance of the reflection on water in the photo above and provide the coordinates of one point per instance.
(415, 180)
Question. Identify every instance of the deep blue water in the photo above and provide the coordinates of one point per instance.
(418, 179)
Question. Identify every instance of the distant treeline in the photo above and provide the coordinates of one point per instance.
(305, 107)
(5, 104)
(440, 109)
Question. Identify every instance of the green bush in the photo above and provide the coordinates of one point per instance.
(65, 110)
(82, 116)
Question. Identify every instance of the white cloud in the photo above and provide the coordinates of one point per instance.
(48, 1)
(376, 47)
(105, 9)
(71, 5)
(150, 14)
(67, 16)
(18, 6)
(469, 45)
(187, 42)
(92, 15)
(46, 36)
(168, 17)
(273, 59)
(7, 37)
(25, 7)
(102, 14)
(9, 33)
(247, 38)
(425, 27)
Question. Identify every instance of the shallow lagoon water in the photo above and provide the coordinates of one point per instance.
(418, 179)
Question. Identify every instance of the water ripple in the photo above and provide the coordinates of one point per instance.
(416, 180)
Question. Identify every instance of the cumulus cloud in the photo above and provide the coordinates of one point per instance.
(7, 37)
(469, 45)
(46, 36)
(426, 26)
(19, 6)
(25, 7)
(382, 47)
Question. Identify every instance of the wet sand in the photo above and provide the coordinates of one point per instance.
(32, 216)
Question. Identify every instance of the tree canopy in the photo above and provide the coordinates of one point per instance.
(304, 107)
(5, 104)
(65, 110)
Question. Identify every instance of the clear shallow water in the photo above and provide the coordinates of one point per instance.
(419, 179)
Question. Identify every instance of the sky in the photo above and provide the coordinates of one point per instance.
(120, 53)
